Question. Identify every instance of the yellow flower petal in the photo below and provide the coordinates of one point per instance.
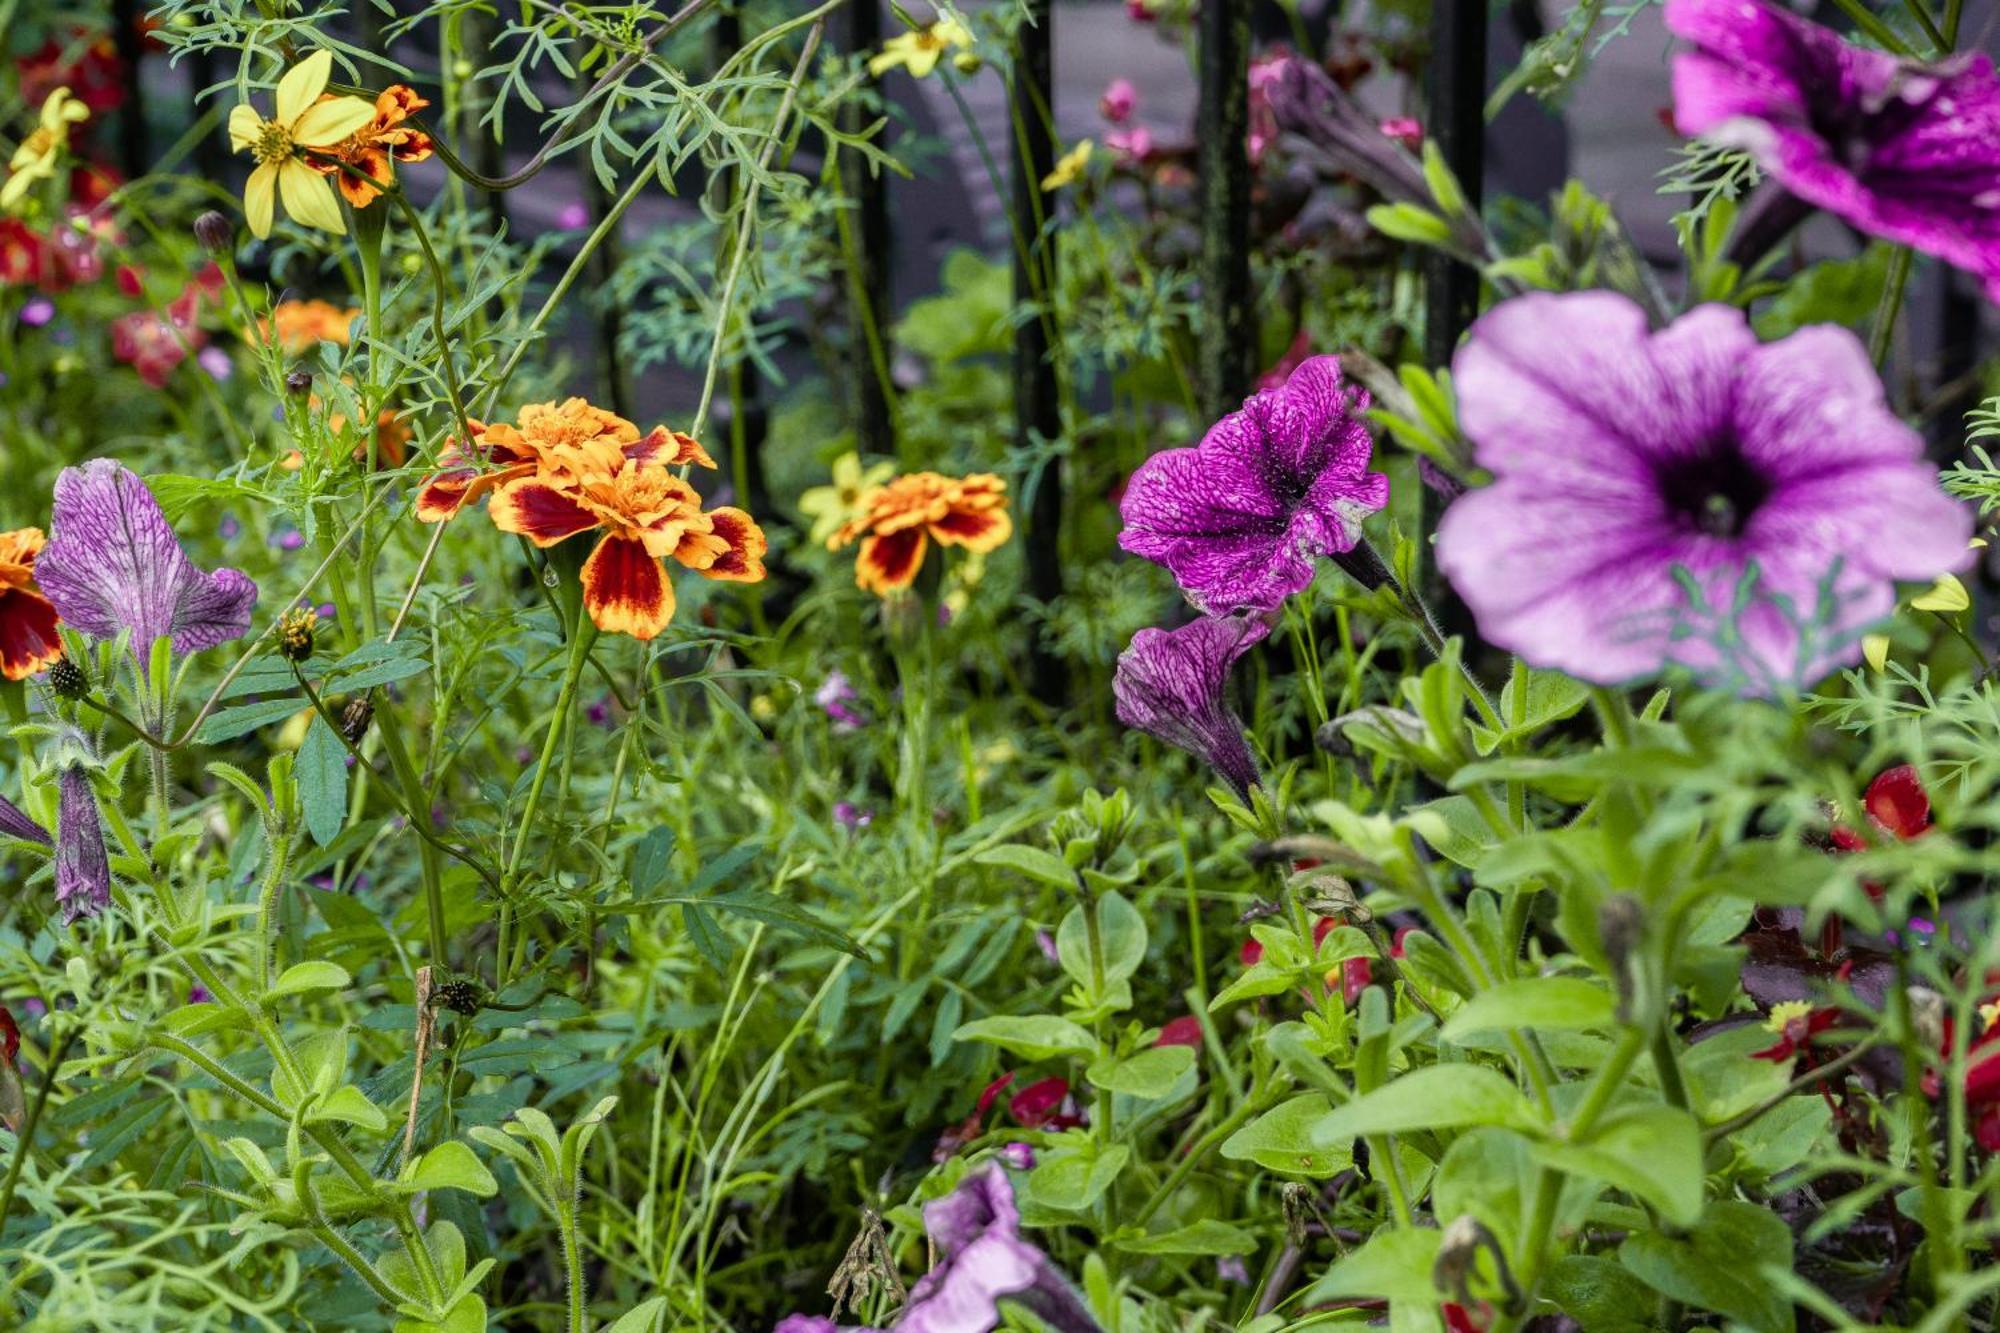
(245, 125)
(1068, 167)
(260, 198)
(15, 186)
(1946, 597)
(326, 123)
(302, 85)
(923, 60)
(1875, 651)
(310, 199)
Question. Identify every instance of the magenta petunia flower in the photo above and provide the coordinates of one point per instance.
(1686, 496)
(83, 869)
(114, 564)
(1904, 151)
(1241, 517)
(1170, 683)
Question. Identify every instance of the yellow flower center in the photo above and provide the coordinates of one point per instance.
(1785, 1014)
(42, 142)
(274, 143)
(1989, 1016)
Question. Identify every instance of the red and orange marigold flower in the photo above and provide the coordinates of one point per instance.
(28, 641)
(897, 522)
(361, 165)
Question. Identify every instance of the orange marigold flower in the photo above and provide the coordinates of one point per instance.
(370, 149)
(645, 514)
(562, 442)
(898, 521)
(28, 641)
(301, 325)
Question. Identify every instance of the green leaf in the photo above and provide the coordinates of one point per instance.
(229, 723)
(646, 1318)
(1653, 1153)
(350, 1105)
(322, 778)
(1122, 934)
(1434, 1097)
(1150, 1073)
(1534, 1002)
(1600, 1295)
(1717, 1267)
(451, 1166)
(1036, 864)
(1407, 222)
(1395, 1265)
(300, 978)
(1207, 1236)
(652, 860)
(1072, 1181)
(1030, 1036)
(1281, 1140)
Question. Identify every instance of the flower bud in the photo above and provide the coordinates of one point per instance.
(296, 633)
(69, 680)
(214, 232)
(299, 383)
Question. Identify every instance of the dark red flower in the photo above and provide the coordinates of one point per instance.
(1182, 1031)
(10, 1037)
(1040, 1104)
(1356, 975)
(1897, 803)
(1458, 1319)
(1796, 1022)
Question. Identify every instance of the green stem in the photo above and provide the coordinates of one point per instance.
(267, 899)
(1884, 328)
(579, 1318)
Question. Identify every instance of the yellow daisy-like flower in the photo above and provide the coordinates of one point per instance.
(303, 121)
(920, 51)
(35, 160)
(830, 506)
(1069, 167)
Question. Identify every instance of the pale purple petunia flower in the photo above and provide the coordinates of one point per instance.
(83, 870)
(1020, 1156)
(216, 362)
(14, 823)
(1904, 151)
(1170, 683)
(1241, 518)
(1626, 460)
(838, 697)
(981, 1261)
(114, 564)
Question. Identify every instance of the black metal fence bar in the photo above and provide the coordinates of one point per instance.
(1457, 97)
(1227, 352)
(1037, 412)
(869, 315)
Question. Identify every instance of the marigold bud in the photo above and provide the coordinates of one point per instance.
(69, 680)
(295, 634)
(215, 233)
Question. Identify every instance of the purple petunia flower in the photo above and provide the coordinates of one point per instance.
(14, 823)
(1020, 1156)
(982, 1260)
(1169, 683)
(114, 564)
(216, 362)
(1631, 467)
(1240, 517)
(851, 816)
(838, 697)
(1904, 151)
(83, 870)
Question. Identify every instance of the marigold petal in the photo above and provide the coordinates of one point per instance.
(542, 513)
(979, 530)
(890, 563)
(743, 561)
(28, 639)
(625, 589)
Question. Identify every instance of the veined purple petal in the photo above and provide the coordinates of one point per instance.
(982, 1259)
(1241, 518)
(14, 823)
(1170, 684)
(114, 564)
(1905, 151)
(1622, 457)
(83, 870)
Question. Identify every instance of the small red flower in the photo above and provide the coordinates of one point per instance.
(1182, 1031)
(1897, 802)
(1040, 1104)
(10, 1037)
(1356, 975)
(1458, 1319)
(1796, 1022)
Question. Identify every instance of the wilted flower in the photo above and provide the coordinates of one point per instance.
(301, 122)
(1627, 461)
(114, 565)
(832, 505)
(83, 869)
(1905, 151)
(362, 165)
(1241, 517)
(28, 640)
(645, 513)
(920, 51)
(898, 521)
(36, 158)
(1170, 683)
(1069, 167)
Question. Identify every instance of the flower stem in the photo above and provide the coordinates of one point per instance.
(583, 635)
(1884, 328)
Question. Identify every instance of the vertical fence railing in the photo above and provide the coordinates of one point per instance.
(609, 326)
(746, 418)
(1037, 412)
(1226, 356)
(130, 40)
(871, 311)
(1457, 97)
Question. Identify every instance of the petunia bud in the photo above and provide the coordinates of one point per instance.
(214, 232)
(68, 679)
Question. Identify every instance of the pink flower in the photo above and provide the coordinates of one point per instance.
(1117, 100)
(1406, 130)
(1182, 1031)
(1130, 147)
